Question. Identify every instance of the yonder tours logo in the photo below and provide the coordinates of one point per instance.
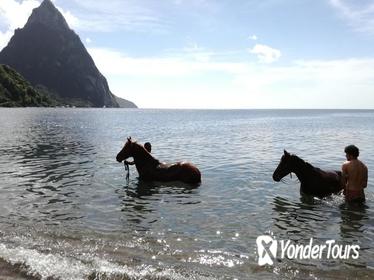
(269, 249)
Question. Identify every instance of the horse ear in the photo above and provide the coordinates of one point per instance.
(129, 139)
(286, 153)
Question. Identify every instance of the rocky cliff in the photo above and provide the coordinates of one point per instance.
(51, 55)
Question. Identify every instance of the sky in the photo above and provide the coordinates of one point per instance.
(224, 54)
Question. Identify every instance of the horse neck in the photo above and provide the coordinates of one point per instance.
(141, 156)
(302, 169)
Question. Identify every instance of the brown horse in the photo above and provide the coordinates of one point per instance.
(151, 169)
(313, 181)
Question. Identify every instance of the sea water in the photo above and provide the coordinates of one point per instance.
(68, 212)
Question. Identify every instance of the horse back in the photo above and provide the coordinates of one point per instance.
(183, 171)
(331, 181)
(334, 175)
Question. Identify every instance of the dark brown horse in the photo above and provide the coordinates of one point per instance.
(151, 169)
(313, 181)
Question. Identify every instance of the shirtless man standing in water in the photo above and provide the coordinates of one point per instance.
(354, 176)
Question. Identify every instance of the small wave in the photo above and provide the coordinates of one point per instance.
(57, 266)
(218, 258)
(44, 265)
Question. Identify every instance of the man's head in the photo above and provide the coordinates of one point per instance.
(351, 152)
(148, 147)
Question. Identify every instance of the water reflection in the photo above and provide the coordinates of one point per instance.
(45, 164)
(294, 218)
(353, 227)
(141, 200)
(142, 189)
(354, 218)
(353, 231)
(322, 220)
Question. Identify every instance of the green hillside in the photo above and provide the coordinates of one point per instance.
(15, 91)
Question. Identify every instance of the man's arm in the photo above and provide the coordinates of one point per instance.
(365, 179)
(344, 176)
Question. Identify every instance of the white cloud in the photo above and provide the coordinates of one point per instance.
(14, 14)
(72, 20)
(253, 37)
(119, 15)
(184, 82)
(343, 83)
(147, 16)
(195, 52)
(265, 53)
(359, 14)
(4, 38)
(116, 63)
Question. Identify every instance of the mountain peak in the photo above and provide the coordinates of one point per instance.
(47, 14)
(49, 54)
(47, 4)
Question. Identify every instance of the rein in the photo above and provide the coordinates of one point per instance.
(284, 182)
(127, 169)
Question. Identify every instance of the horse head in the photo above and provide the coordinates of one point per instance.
(127, 150)
(284, 168)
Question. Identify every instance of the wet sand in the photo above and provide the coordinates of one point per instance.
(13, 272)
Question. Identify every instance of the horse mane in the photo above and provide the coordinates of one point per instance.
(305, 163)
(146, 153)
